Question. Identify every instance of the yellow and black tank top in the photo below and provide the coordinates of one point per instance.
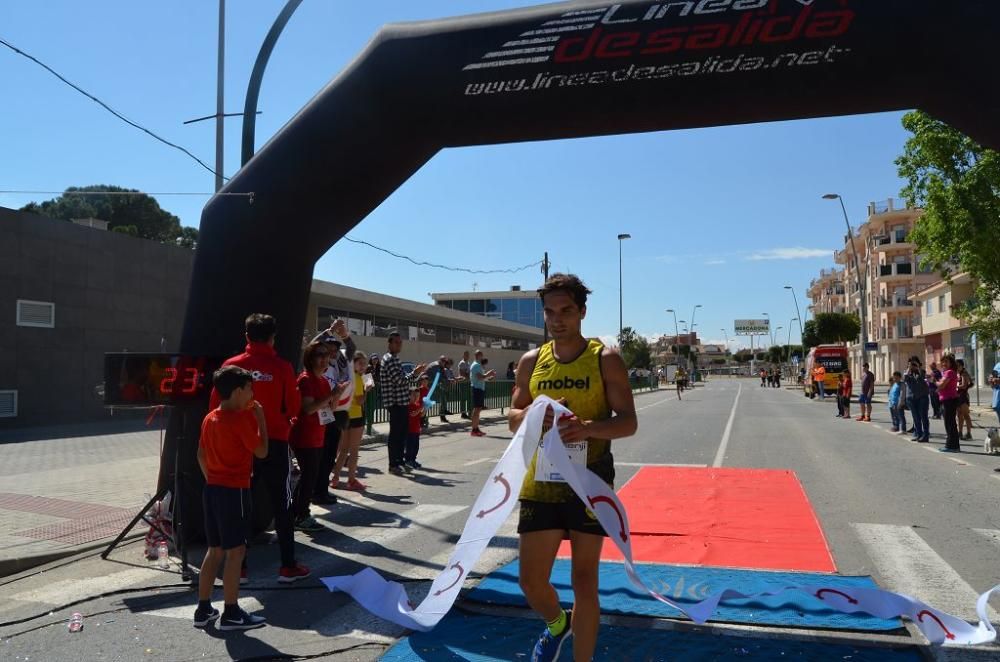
(580, 382)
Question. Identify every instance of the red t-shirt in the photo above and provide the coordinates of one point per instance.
(416, 417)
(273, 387)
(306, 429)
(228, 439)
(847, 387)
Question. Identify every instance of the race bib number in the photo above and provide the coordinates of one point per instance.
(325, 416)
(546, 473)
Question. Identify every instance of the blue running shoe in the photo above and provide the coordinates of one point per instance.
(548, 647)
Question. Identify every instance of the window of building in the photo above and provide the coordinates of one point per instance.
(477, 306)
(446, 304)
(930, 307)
(941, 304)
(383, 326)
(461, 304)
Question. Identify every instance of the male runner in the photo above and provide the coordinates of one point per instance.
(591, 380)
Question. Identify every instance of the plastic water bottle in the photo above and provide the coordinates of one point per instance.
(75, 622)
(163, 554)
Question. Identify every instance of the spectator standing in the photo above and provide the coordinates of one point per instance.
(414, 428)
(819, 379)
(340, 375)
(932, 389)
(232, 434)
(948, 392)
(964, 416)
(436, 369)
(308, 429)
(463, 375)
(477, 377)
(396, 397)
(845, 392)
(840, 396)
(275, 390)
(995, 383)
(449, 378)
(917, 398)
(510, 371)
(867, 393)
(896, 401)
(348, 451)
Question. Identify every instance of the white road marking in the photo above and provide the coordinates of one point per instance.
(70, 590)
(909, 565)
(654, 464)
(729, 428)
(481, 460)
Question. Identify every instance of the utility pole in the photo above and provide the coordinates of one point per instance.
(545, 275)
(220, 97)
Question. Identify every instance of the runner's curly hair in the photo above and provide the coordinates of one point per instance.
(568, 283)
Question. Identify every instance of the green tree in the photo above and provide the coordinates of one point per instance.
(743, 356)
(836, 327)
(957, 183)
(810, 337)
(635, 349)
(138, 214)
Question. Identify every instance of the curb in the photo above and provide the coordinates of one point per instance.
(20, 564)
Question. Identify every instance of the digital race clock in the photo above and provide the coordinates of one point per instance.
(157, 379)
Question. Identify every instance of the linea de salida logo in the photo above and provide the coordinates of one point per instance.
(643, 30)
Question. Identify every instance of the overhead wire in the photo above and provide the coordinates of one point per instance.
(106, 106)
(422, 263)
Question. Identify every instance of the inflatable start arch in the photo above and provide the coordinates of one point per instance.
(564, 70)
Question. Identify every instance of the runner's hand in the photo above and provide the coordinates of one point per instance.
(572, 429)
(550, 414)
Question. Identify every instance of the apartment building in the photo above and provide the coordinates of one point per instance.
(828, 292)
(879, 259)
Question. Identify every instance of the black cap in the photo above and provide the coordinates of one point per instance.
(331, 339)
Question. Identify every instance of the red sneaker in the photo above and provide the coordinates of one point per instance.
(288, 575)
(335, 484)
(860, 418)
(356, 485)
(478, 433)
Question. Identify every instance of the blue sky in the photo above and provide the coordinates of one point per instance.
(721, 217)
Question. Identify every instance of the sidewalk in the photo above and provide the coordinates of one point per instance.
(73, 488)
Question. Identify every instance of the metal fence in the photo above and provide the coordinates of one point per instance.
(457, 398)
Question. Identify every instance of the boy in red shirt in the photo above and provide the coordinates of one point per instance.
(413, 432)
(231, 436)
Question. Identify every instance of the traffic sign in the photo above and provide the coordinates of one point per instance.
(871, 346)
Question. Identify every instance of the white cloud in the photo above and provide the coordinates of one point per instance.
(798, 253)
(713, 262)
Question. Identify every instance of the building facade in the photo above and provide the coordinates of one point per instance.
(71, 292)
(516, 305)
(907, 308)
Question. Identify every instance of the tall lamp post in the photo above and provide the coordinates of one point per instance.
(677, 337)
(799, 318)
(621, 238)
(863, 303)
(772, 335)
(788, 356)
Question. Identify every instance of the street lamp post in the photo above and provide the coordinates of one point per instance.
(621, 238)
(677, 337)
(770, 333)
(788, 357)
(857, 275)
(799, 318)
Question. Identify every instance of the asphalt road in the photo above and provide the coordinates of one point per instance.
(919, 521)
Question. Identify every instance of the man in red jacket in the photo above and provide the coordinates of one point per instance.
(274, 388)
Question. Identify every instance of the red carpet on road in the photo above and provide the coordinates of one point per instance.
(738, 518)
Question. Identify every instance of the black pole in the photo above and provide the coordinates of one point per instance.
(253, 89)
(545, 273)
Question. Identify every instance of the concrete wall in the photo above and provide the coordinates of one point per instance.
(111, 292)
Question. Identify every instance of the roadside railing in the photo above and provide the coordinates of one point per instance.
(457, 398)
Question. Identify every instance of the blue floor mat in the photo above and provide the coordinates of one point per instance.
(691, 584)
(482, 638)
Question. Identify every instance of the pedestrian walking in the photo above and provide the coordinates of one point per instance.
(948, 392)
(917, 398)
(396, 387)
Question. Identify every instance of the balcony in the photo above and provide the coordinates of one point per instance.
(893, 303)
(903, 270)
(897, 241)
